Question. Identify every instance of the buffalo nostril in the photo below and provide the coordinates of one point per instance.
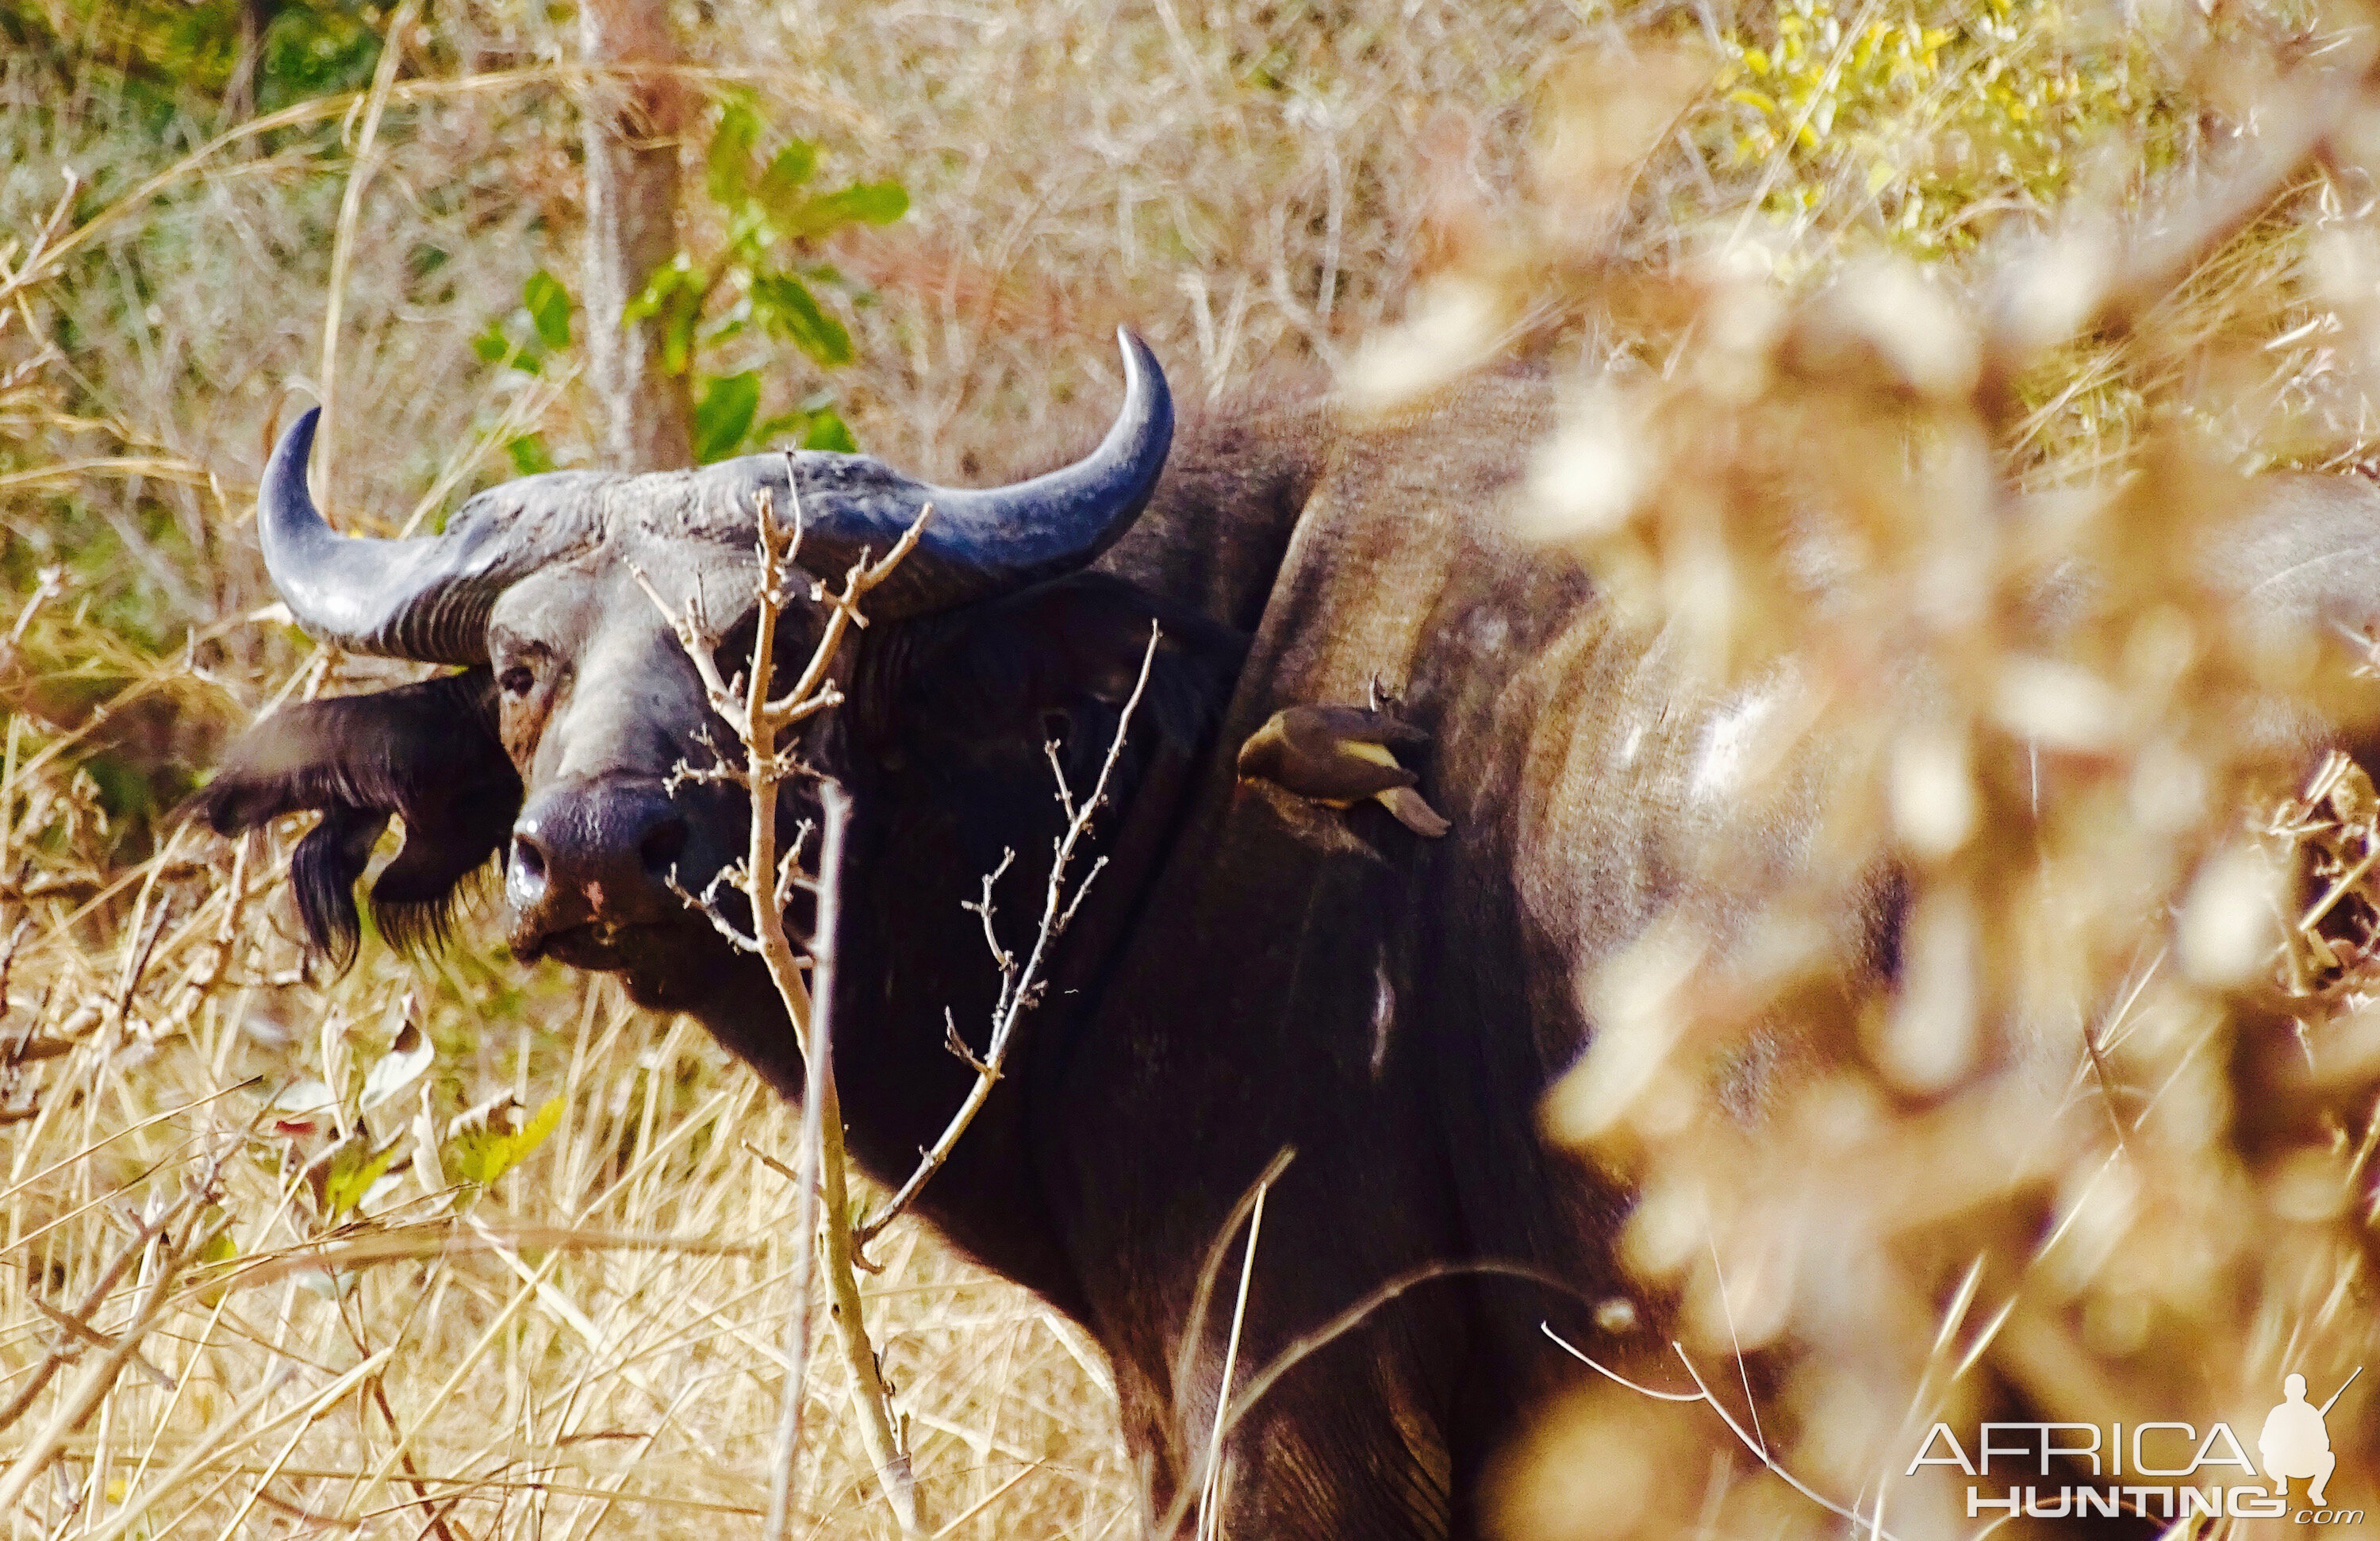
(528, 861)
(661, 845)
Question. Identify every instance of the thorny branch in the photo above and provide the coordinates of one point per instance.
(768, 878)
(1020, 985)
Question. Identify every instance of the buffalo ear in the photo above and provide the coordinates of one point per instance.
(1064, 656)
(428, 754)
(323, 873)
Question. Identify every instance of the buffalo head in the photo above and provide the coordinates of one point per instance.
(554, 749)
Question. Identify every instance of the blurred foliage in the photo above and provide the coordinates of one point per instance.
(760, 279)
(527, 340)
(2099, 1139)
(763, 274)
(1937, 120)
(277, 51)
(315, 50)
(1953, 134)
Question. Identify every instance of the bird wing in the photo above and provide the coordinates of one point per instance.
(1359, 724)
(1320, 761)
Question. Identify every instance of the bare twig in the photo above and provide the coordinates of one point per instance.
(1210, 1518)
(1021, 987)
(706, 904)
(823, 1114)
(76, 1326)
(1759, 1449)
(768, 878)
(805, 1177)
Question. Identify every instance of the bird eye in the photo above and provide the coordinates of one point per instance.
(516, 680)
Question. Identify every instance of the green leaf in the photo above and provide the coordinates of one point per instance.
(529, 454)
(220, 1248)
(677, 330)
(312, 51)
(492, 345)
(729, 167)
(749, 234)
(549, 308)
(814, 426)
(483, 1155)
(786, 306)
(729, 323)
(788, 169)
(353, 1172)
(723, 414)
(827, 432)
(868, 204)
(675, 295)
(664, 282)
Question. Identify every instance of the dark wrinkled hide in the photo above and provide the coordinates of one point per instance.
(1390, 1008)
(1252, 974)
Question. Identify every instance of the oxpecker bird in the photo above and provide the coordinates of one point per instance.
(1338, 755)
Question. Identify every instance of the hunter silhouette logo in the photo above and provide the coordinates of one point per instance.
(2296, 1441)
(2159, 1470)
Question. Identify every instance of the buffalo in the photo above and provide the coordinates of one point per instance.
(1254, 973)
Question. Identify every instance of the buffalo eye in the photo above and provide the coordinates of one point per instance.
(516, 680)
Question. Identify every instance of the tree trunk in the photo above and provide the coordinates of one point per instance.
(633, 121)
(248, 65)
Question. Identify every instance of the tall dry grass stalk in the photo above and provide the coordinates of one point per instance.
(250, 1285)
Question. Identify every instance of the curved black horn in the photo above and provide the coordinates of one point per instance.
(979, 541)
(426, 597)
(1056, 523)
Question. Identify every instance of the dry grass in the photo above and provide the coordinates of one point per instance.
(591, 1340)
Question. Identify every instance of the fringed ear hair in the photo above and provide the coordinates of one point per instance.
(323, 874)
(447, 854)
(426, 754)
